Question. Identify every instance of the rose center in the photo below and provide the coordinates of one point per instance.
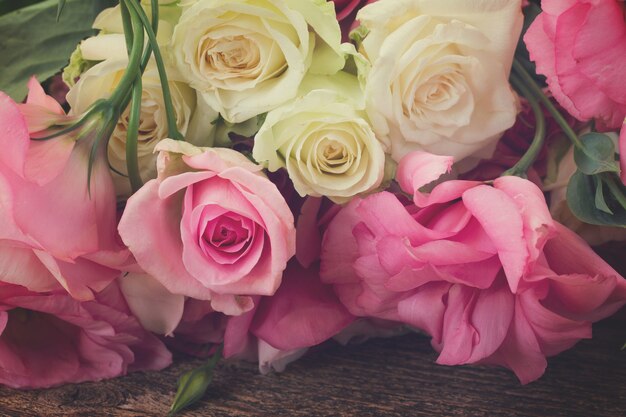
(230, 55)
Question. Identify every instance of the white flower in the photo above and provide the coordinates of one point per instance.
(439, 73)
(324, 140)
(247, 57)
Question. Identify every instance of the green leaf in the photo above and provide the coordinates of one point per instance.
(600, 202)
(582, 198)
(60, 8)
(7, 6)
(193, 384)
(33, 43)
(596, 155)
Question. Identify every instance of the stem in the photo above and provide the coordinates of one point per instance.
(172, 128)
(529, 157)
(132, 160)
(538, 92)
(134, 62)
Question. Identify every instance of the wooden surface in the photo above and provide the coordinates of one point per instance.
(391, 377)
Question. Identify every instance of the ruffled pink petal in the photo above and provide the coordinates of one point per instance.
(302, 313)
(501, 220)
(417, 169)
(14, 137)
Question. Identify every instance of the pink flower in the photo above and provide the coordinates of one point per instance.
(483, 269)
(346, 11)
(211, 227)
(51, 339)
(55, 232)
(580, 46)
(303, 313)
(622, 152)
(279, 329)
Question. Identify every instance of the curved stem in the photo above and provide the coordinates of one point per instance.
(134, 62)
(172, 128)
(538, 92)
(529, 157)
(132, 160)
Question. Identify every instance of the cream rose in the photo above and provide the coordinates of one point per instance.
(439, 73)
(100, 81)
(247, 57)
(324, 140)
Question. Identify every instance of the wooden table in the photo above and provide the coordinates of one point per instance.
(390, 377)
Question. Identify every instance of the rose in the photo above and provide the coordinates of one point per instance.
(211, 227)
(51, 339)
(483, 269)
(580, 46)
(57, 232)
(100, 81)
(325, 142)
(246, 58)
(439, 75)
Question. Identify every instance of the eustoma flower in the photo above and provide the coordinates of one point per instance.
(247, 57)
(211, 227)
(325, 141)
(439, 76)
(51, 339)
(580, 46)
(57, 231)
(483, 269)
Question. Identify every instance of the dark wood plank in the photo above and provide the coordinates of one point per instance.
(392, 377)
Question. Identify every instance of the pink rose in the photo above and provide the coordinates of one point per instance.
(580, 46)
(211, 227)
(51, 339)
(53, 233)
(483, 269)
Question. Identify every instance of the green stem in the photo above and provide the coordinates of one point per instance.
(132, 160)
(134, 62)
(529, 157)
(528, 80)
(172, 128)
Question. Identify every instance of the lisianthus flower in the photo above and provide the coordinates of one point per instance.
(211, 227)
(483, 269)
(48, 339)
(580, 46)
(57, 230)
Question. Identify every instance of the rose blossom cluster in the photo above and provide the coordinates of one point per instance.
(325, 189)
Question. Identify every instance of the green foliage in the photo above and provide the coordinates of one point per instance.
(596, 154)
(597, 199)
(33, 43)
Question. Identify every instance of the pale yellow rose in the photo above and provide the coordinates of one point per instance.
(439, 73)
(324, 140)
(247, 57)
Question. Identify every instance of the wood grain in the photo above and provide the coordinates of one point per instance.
(390, 377)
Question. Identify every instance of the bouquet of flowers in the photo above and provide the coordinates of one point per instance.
(247, 179)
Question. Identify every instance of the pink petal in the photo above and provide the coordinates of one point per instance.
(417, 169)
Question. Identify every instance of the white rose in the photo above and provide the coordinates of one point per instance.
(593, 234)
(439, 73)
(324, 140)
(247, 57)
(100, 81)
